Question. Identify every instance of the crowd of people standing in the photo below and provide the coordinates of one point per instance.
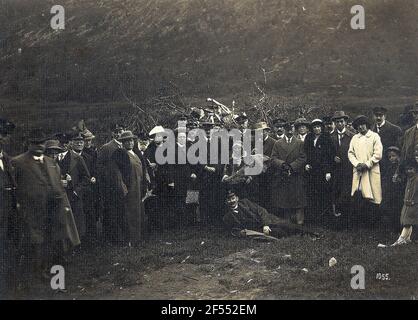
(64, 192)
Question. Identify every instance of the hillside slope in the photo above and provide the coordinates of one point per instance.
(206, 48)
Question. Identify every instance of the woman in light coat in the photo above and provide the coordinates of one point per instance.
(364, 153)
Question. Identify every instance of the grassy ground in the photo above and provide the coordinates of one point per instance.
(208, 263)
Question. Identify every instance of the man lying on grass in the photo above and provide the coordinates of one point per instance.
(244, 214)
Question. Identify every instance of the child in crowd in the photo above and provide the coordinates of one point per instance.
(393, 187)
(409, 214)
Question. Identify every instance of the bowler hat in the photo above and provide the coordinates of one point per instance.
(126, 135)
(77, 136)
(6, 127)
(339, 115)
(359, 120)
(301, 122)
(37, 136)
(261, 126)
(53, 144)
(380, 110)
(327, 120)
(279, 122)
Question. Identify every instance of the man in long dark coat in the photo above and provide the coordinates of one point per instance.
(105, 182)
(263, 181)
(128, 222)
(343, 169)
(7, 213)
(44, 212)
(75, 171)
(390, 134)
(288, 189)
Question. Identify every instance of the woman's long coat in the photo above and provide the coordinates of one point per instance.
(288, 192)
(366, 149)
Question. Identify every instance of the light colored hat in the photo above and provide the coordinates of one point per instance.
(261, 126)
(88, 135)
(157, 129)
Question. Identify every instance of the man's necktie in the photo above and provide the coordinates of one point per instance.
(340, 137)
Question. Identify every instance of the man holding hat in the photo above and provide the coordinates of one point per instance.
(45, 216)
(7, 208)
(343, 175)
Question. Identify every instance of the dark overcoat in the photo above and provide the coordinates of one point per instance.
(343, 172)
(288, 192)
(409, 141)
(43, 207)
(75, 166)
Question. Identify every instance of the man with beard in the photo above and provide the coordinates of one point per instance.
(7, 214)
(46, 222)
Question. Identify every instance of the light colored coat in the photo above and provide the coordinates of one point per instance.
(366, 149)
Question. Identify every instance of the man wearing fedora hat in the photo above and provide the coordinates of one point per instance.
(7, 214)
(410, 138)
(105, 182)
(45, 216)
(302, 128)
(129, 188)
(74, 170)
(343, 170)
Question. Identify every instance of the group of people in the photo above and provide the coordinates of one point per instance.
(64, 191)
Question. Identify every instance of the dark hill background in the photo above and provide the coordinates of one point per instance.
(296, 51)
(207, 48)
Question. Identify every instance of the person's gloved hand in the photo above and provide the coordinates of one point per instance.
(328, 176)
(266, 230)
(308, 167)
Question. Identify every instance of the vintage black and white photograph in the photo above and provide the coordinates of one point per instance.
(215, 150)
